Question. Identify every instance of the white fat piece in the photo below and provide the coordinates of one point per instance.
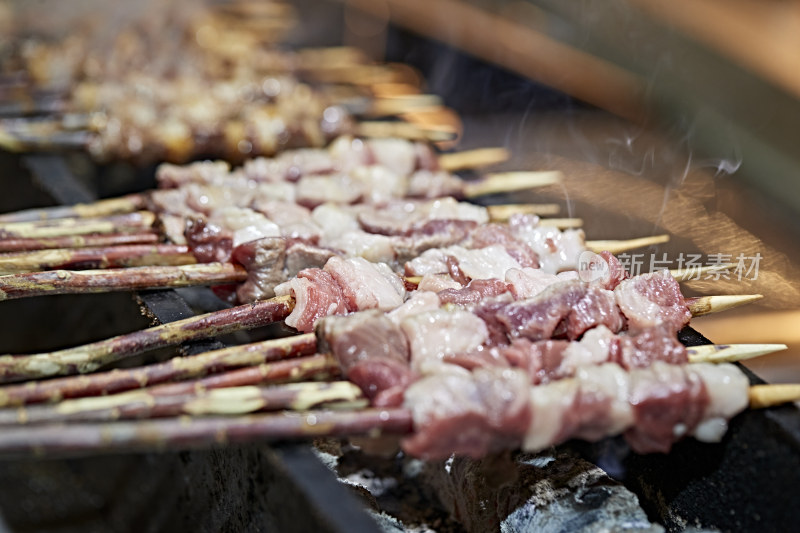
(334, 221)
(450, 209)
(379, 184)
(491, 262)
(245, 224)
(609, 381)
(591, 350)
(419, 302)
(434, 334)
(279, 191)
(337, 188)
(437, 282)
(528, 282)
(557, 250)
(372, 247)
(727, 388)
(349, 153)
(397, 155)
(549, 406)
(428, 262)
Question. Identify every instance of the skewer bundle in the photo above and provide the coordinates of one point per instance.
(215, 89)
(233, 381)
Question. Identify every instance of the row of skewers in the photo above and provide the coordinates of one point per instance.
(201, 84)
(492, 337)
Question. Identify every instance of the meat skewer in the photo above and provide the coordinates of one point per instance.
(256, 354)
(142, 220)
(81, 439)
(314, 294)
(449, 162)
(54, 282)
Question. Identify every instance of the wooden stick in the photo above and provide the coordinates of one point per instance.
(58, 440)
(506, 182)
(134, 255)
(90, 357)
(62, 227)
(729, 353)
(79, 241)
(467, 159)
(404, 130)
(561, 223)
(54, 282)
(178, 368)
(230, 401)
(503, 212)
(100, 208)
(705, 305)
(771, 395)
(616, 247)
(397, 105)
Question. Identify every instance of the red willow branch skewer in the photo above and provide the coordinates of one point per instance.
(451, 162)
(80, 241)
(101, 208)
(231, 401)
(90, 357)
(313, 366)
(178, 368)
(51, 282)
(56, 440)
(63, 227)
(131, 255)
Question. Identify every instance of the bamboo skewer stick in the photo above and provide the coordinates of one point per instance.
(79, 241)
(53, 282)
(762, 396)
(506, 182)
(90, 357)
(187, 432)
(230, 401)
(561, 223)
(729, 353)
(404, 130)
(93, 258)
(467, 159)
(62, 227)
(705, 305)
(616, 247)
(178, 368)
(100, 208)
(505, 211)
